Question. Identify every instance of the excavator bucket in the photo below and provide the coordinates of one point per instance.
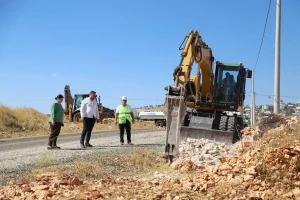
(199, 127)
(225, 137)
(175, 110)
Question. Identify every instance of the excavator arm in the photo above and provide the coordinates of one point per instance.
(188, 90)
(68, 102)
(200, 85)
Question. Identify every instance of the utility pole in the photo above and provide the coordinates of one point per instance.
(253, 102)
(277, 59)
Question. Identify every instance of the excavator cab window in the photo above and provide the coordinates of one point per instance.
(78, 99)
(226, 79)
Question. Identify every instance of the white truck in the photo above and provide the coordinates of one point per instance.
(157, 116)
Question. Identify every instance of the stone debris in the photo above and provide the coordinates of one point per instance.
(254, 171)
(201, 151)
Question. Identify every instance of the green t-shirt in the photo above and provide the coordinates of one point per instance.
(56, 113)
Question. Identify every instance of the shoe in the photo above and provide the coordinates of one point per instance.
(82, 146)
(122, 143)
(56, 147)
(129, 143)
(88, 145)
(50, 147)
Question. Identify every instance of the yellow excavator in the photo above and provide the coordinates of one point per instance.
(72, 107)
(207, 104)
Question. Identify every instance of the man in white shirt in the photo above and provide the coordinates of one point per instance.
(89, 114)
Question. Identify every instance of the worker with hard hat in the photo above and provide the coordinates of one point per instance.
(124, 117)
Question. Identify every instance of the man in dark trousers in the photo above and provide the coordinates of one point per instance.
(124, 117)
(89, 115)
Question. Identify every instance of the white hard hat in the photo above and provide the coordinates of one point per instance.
(124, 98)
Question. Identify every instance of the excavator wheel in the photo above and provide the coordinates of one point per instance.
(232, 122)
(223, 123)
(103, 117)
(77, 117)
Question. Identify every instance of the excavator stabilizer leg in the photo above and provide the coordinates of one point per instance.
(175, 110)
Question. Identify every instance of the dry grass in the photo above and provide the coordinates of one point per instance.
(21, 122)
(121, 162)
(25, 122)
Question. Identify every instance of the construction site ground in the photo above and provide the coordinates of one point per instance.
(265, 164)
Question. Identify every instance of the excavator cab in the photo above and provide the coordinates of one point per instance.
(229, 86)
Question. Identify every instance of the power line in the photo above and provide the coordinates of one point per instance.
(262, 39)
(271, 95)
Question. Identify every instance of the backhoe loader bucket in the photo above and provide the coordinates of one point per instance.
(175, 110)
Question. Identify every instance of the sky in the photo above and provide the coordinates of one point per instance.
(131, 47)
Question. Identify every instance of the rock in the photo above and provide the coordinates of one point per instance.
(96, 194)
(75, 181)
(248, 178)
(22, 181)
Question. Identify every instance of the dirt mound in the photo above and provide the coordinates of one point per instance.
(267, 166)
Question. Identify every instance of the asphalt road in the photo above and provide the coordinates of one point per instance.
(38, 141)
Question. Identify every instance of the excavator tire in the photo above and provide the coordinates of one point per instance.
(232, 122)
(103, 117)
(186, 121)
(223, 123)
(240, 125)
(77, 117)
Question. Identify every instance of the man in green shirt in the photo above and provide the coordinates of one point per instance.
(56, 120)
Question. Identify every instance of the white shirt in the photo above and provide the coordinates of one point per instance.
(89, 108)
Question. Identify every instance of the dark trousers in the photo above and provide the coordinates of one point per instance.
(88, 126)
(127, 127)
(54, 132)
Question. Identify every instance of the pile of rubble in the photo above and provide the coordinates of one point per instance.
(252, 168)
(54, 186)
(200, 151)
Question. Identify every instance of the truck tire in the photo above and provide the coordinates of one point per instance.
(159, 123)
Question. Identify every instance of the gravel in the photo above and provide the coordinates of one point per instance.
(199, 151)
(22, 160)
